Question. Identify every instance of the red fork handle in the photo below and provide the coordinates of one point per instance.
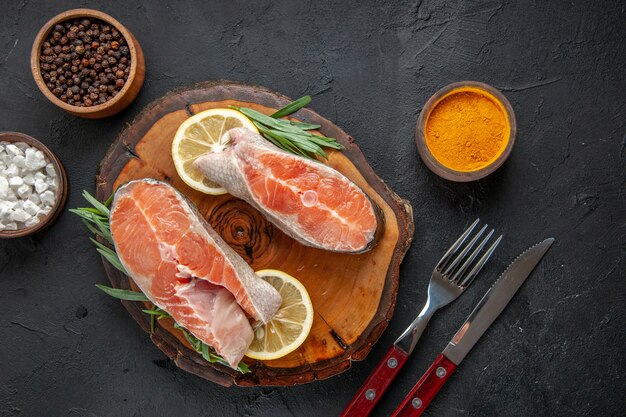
(426, 388)
(376, 384)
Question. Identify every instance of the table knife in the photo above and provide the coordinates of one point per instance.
(487, 310)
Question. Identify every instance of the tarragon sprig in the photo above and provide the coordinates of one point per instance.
(290, 135)
(96, 218)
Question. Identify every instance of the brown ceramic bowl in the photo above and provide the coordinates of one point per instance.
(128, 92)
(60, 194)
(451, 174)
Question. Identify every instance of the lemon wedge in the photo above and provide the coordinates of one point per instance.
(201, 133)
(290, 326)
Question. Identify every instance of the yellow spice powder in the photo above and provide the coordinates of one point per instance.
(467, 129)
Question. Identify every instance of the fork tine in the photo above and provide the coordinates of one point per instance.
(450, 268)
(479, 265)
(459, 273)
(455, 246)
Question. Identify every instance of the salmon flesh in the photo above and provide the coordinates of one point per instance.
(309, 201)
(185, 268)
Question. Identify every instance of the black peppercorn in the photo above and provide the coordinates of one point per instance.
(84, 62)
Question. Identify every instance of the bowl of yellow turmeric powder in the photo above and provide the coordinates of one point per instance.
(465, 131)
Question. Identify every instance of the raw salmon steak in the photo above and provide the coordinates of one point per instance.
(183, 266)
(309, 201)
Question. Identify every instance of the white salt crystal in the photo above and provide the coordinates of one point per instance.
(24, 191)
(39, 176)
(41, 186)
(11, 226)
(3, 166)
(6, 159)
(14, 150)
(4, 188)
(32, 221)
(18, 205)
(52, 182)
(16, 182)
(34, 198)
(11, 196)
(6, 208)
(19, 215)
(22, 145)
(29, 179)
(46, 210)
(2, 227)
(19, 161)
(31, 208)
(50, 170)
(33, 162)
(47, 198)
(11, 171)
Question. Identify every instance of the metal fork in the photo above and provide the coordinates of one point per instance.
(449, 280)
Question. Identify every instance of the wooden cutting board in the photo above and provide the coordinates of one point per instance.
(353, 295)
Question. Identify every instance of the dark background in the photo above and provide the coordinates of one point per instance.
(66, 349)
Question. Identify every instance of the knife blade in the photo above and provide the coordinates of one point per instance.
(483, 315)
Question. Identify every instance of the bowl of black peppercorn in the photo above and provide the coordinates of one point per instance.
(87, 63)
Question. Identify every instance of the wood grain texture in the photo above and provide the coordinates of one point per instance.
(353, 295)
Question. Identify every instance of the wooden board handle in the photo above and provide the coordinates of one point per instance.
(376, 384)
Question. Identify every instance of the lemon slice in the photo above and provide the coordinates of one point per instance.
(201, 133)
(291, 325)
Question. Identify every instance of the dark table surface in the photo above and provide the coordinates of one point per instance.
(558, 349)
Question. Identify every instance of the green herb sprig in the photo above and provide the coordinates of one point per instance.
(96, 219)
(290, 135)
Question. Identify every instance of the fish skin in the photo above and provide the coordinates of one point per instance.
(152, 256)
(236, 167)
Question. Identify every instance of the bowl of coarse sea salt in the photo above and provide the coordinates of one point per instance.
(33, 185)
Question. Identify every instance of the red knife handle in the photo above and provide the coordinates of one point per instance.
(376, 384)
(426, 388)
